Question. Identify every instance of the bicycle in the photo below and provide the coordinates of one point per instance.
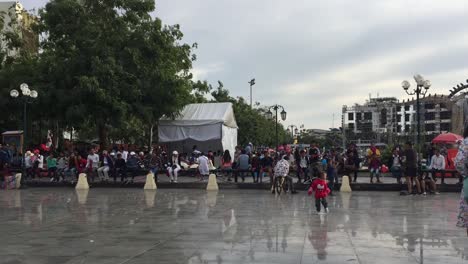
(280, 184)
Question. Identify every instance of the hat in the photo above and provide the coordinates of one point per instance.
(28, 153)
(36, 151)
(141, 153)
(112, 154)
(132, 153)
(175, 152)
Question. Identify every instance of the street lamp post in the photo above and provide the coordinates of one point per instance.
(293, 129)
(252, 83)
(26, 96)
(422, 86)
(270, 116)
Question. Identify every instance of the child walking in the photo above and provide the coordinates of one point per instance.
(320, 187)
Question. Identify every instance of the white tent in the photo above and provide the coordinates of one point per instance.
(210, 126)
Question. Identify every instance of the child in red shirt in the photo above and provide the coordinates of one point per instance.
(320, 187)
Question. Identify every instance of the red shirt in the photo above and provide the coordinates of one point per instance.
(320, 187)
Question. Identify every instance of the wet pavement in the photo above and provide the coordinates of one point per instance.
(60, 225)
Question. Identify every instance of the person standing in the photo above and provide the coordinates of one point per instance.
(438, 165)
(92, 164)
(302, 163)
(243, 165)
(396, 165)
(315, 156)
(410, 162)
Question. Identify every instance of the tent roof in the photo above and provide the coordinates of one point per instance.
(203, 114)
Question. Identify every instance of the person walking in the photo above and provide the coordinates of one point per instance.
(73, 165)
(320, 188)
(62, 164)
(256, 167)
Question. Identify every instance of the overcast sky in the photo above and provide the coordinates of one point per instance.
(314, 56)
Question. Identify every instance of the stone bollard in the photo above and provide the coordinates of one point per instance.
(18, 180)
(82, 182)
(150, 183)
(345, 187)
(212, 183)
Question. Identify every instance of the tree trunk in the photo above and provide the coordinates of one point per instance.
(103, 133)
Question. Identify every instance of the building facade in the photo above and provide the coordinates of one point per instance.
(393, 118)
(17, 19)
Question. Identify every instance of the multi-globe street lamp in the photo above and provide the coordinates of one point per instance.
(26, 95)
(293, 129)
(422, 86)
(270, 116)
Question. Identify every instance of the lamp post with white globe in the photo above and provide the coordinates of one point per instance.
(26, 95)
(422, 86)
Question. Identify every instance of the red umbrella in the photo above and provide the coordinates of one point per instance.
(447, 138)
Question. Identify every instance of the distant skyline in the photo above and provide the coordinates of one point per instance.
(314, 56)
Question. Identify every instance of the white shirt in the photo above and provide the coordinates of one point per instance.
(125, 155)
(40, 160)
(203, 165)
(438, 163)
(94, 160)
(27, 161)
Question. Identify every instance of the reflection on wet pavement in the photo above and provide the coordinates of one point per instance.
(231, 226)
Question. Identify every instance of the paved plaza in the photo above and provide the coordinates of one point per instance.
(60, 225)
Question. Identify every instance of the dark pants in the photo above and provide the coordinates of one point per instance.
(132, 172)
(120, 172)
(52, 172)
(331, 178)
(256, 174)
(322, 201)
(303, 171)
(442, 174)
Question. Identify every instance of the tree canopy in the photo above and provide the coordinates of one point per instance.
(110, 67)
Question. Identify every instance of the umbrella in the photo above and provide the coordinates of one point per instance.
(447, 138)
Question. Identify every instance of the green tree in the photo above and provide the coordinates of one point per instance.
(107, 62)
(253, 125)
